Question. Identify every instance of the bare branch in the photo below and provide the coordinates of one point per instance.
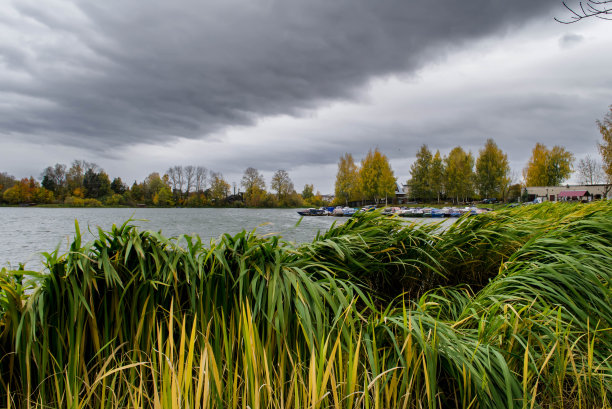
(601, 9)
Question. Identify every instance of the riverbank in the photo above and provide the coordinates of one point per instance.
(504, 309)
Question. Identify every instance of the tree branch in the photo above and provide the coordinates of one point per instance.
(591, 8)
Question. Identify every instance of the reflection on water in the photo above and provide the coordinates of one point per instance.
(26, 232)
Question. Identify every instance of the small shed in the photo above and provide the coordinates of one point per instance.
(574, 195)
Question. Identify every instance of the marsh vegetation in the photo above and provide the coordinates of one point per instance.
(506, 309)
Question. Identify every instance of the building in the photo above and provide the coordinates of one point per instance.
(569, 192)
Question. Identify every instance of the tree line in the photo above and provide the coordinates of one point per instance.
(86, 184)
(458, 176)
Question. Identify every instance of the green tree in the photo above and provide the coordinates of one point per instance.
(605, 147)
(151, 186)
(459, 174)
(492, 171)
(117, 186)
(376, 177)
(347, 180)
(308, 192)
(420, 175)
(163, 197)
(548, 167)
(436, 175)
(96, 184)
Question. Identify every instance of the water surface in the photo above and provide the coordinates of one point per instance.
(26, 232)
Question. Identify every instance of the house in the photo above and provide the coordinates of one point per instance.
(569, 192)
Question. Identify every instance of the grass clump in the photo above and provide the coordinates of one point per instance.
(509, 309)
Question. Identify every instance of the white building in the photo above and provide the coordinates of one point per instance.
(569, 192)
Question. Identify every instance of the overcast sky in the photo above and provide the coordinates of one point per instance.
(139, 86)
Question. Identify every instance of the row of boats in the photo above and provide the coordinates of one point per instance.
(340, 211)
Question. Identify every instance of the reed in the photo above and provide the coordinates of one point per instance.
(508, 309)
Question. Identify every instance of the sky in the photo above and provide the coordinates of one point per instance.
(138, 87)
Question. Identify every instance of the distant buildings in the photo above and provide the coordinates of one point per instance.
(569, 193)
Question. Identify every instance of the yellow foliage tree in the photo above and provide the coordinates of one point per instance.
(376, 177)
(605, 148)
(548, 167)
(492, 171)
(347, 180)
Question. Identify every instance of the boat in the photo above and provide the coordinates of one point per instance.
(312, 212)
(348, 211)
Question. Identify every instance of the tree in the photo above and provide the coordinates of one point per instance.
(74, 176)
(219, 188)
(589, 8)
(459, 174)
(347, 180)
(376, 177)
(282, 184)
(54, 178)
(605, 148)
(190, 174)
(308, 192)
(96, 184)
(177, 180)
(420, 175)
(6, 181)
(589, 171)
(118, 186)
(152, 185)
(254, 187)
(548, 167)
(436, 175)
(200, 179)
(163, 197)
(492, 171)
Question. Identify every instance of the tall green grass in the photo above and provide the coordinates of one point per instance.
(510, 309)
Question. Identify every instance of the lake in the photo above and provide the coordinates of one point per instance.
(27, 231)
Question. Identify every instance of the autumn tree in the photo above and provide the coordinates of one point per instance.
(254, 187)
(492, 171)
(420, 175)
(605, 147)
(376, 177)
(347, 180)
(459, 179)
(281, 183)
(163, 197)
(436, 175)
(152, 185)
(27, 190)
(219, 188)
(74, 176)
(6, 181)
(548, 167)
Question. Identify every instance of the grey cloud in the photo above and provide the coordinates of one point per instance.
(122, 72)
(570, 39)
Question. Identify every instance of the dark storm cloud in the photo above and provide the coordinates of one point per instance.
(121, 72)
